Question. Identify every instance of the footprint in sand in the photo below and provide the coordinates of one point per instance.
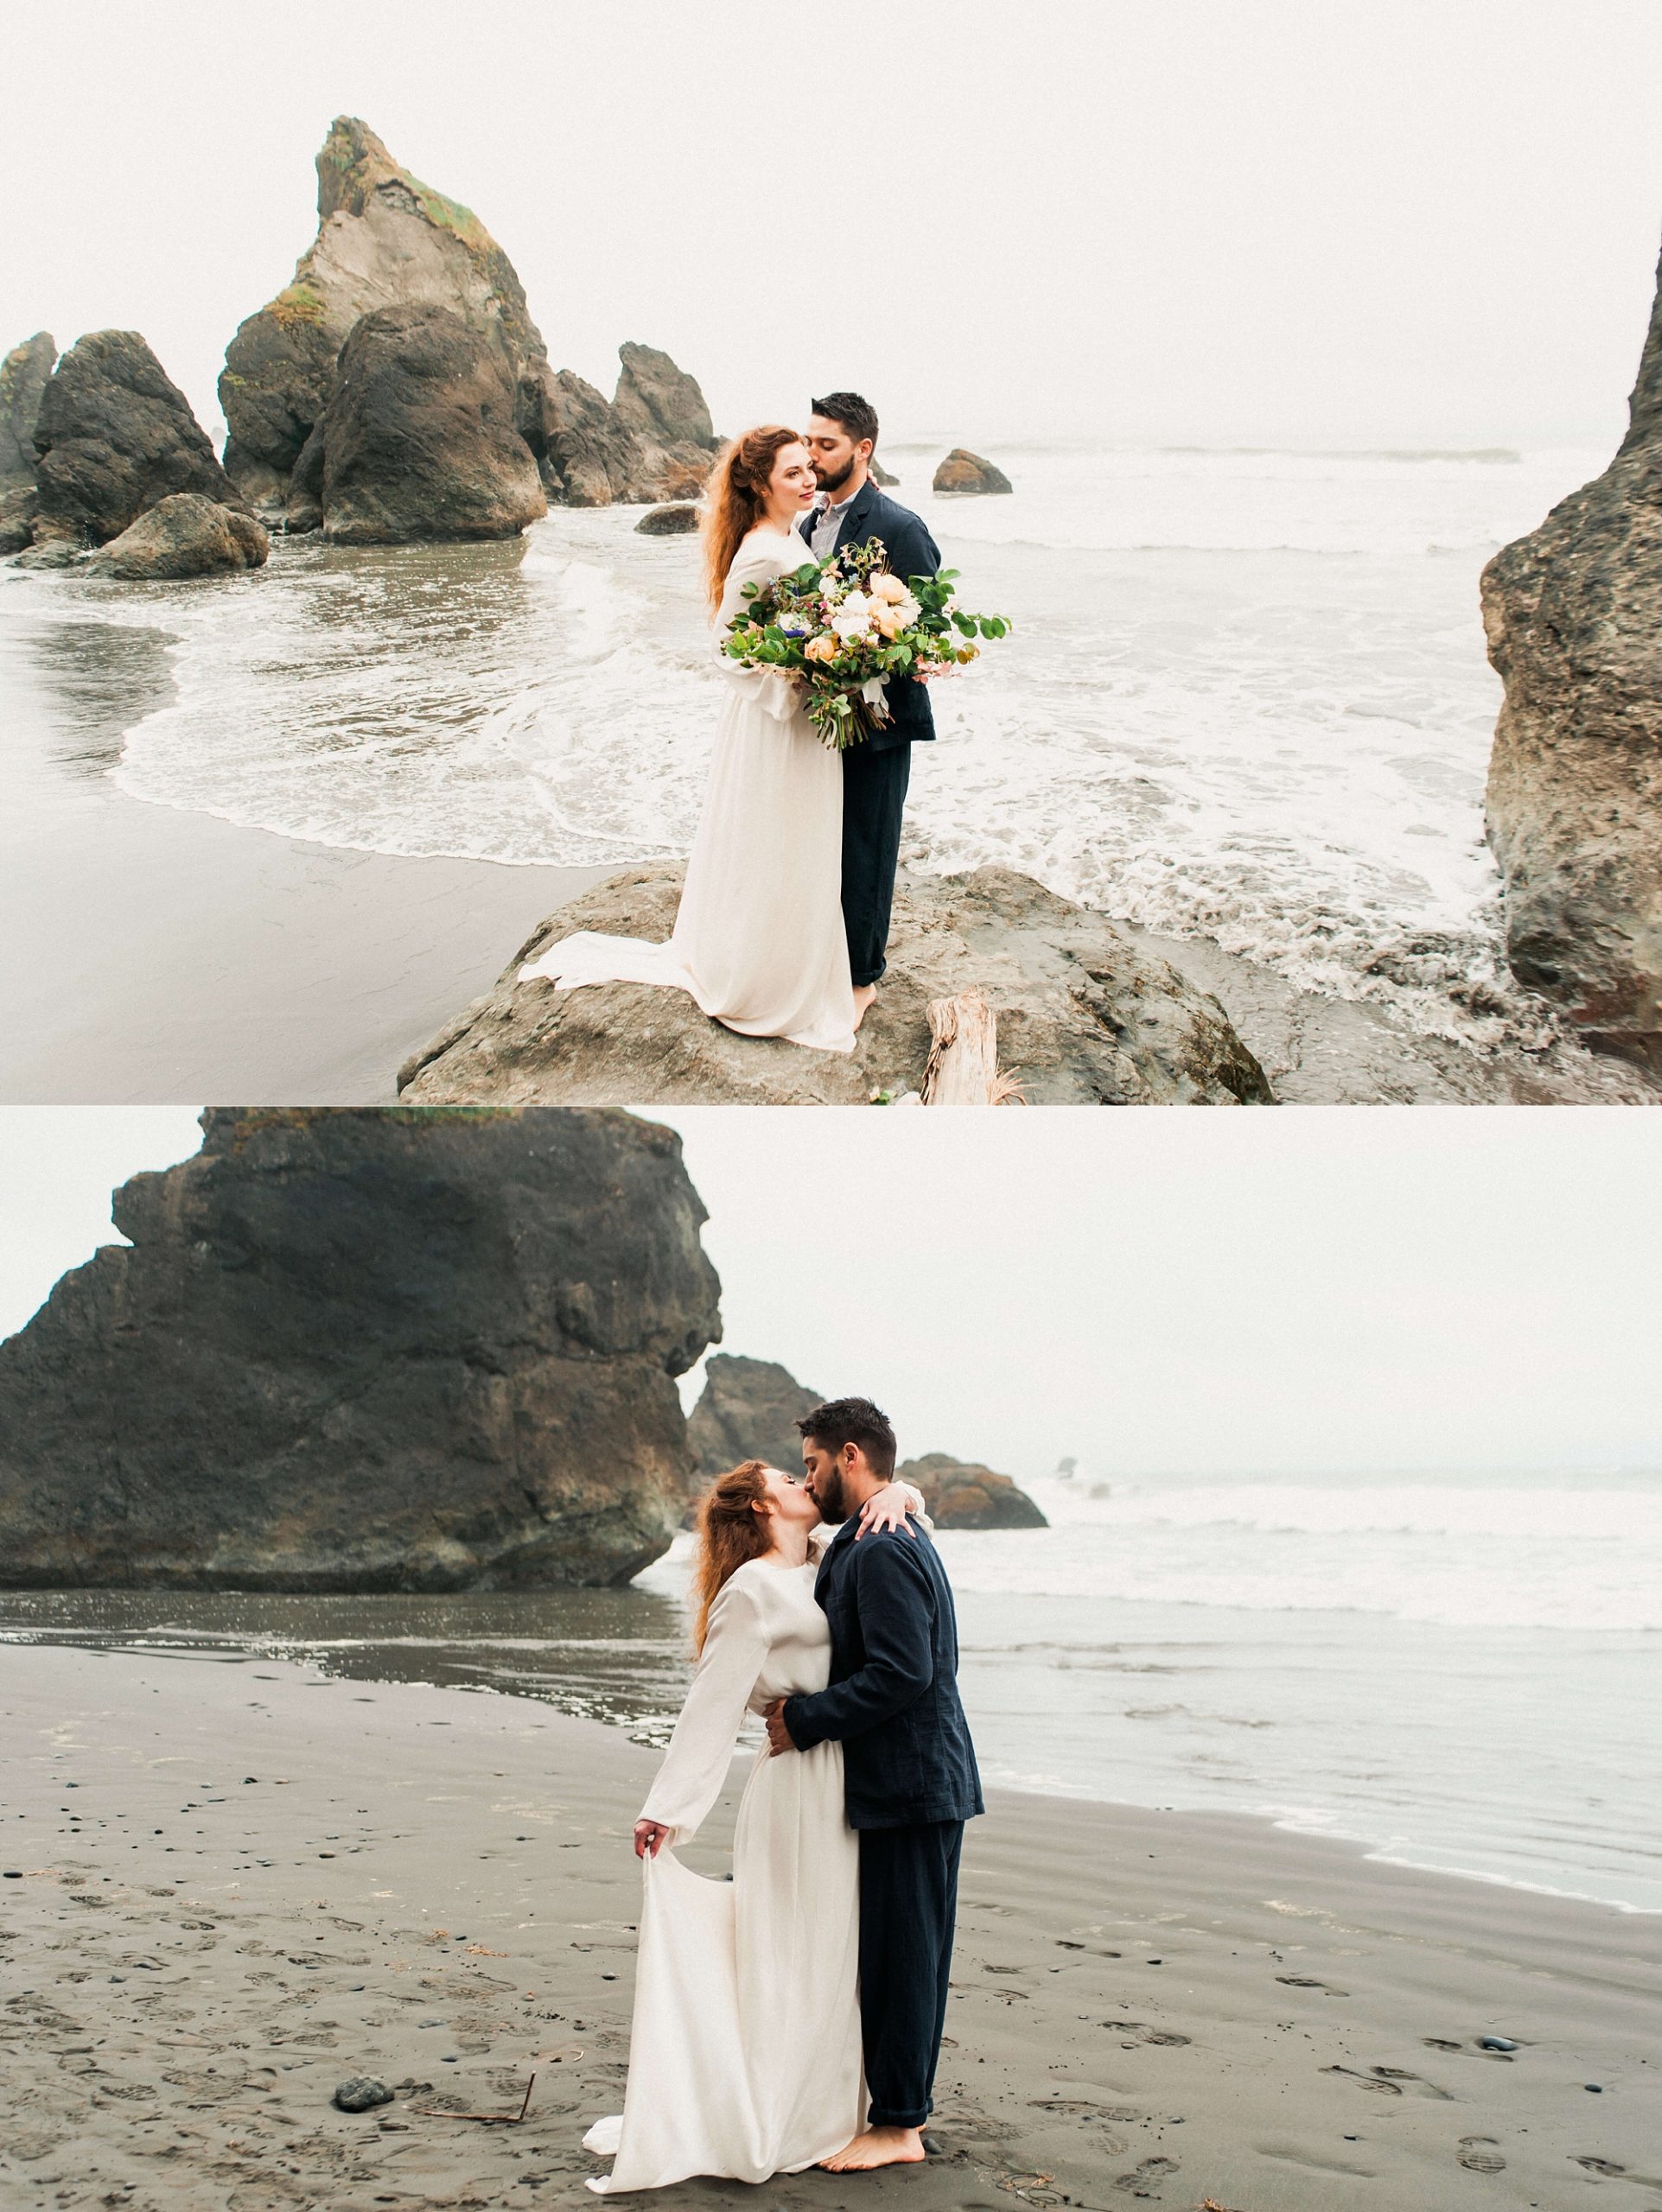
(1480, 2154)
(1308, 1981)
(1387, 2082)
(1149, 2171)
(1611, 2171)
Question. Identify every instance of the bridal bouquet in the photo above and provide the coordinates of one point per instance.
(845, 624)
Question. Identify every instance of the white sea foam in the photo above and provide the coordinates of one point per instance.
(1246, 697)
(1567, 1555)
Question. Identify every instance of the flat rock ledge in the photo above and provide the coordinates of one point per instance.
(1084, 1018)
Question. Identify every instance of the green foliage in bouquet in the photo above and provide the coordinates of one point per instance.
(845, 626)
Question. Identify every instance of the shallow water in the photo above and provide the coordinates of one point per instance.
(1246, 698)
(1462, 1675)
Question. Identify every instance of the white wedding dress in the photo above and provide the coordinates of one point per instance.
(759, 939)
(744, 2055)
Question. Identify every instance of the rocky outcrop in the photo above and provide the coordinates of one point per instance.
(676, 521)
(1573, 613)
(962, 1494)
(1084, 1017)
(114, 436)
(387, 241)
(664, 410)
(589, 458)
(749, 1409)
(367, 1351)
(881, 476)
(965, 472)
(384, 240)
(24, 375)
(183, 535)
(418, 440)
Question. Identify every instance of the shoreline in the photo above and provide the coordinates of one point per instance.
(435, 1886)
(166, 953)
(161, 954)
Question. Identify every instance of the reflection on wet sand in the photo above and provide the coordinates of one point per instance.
(105, 678)
(617, 1656)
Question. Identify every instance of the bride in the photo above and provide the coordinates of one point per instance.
(758, 940)
(744, 2058)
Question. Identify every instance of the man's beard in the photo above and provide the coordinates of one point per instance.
(828, 483)
(831, 1496)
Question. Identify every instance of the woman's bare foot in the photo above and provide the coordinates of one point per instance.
(863, 995)
(878, 2146)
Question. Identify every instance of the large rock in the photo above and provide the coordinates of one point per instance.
(183, 535)
(1573, 614)
(589, 455)
(962, 1494)
(114, 436)
(24, 375)
(664, 409)
(418, 440)
(385, 240)
(749, 1409)
(367, 1351)
(680, 520)
(965, 472)
(1084, 1017)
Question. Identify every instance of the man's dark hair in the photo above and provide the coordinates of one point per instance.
(852, 1421)
(859, 418)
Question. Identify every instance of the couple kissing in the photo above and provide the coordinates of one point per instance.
(792, 2016)
(783, 926)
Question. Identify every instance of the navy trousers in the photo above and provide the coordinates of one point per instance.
(874, 799)
(908, 1906)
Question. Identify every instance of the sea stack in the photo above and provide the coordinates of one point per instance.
(1573, 613)
(748, 1410)
(664, 409)
(962, 1494)
(962, 473)
(367, 1351)
(114, 435)
(384, 240)
(385, 244)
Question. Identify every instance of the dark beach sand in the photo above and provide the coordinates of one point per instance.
(239, 1884)
(154, 956)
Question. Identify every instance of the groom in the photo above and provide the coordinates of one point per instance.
(841, 437)
(909, 1768)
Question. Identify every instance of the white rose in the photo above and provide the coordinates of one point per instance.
(847, 623)
(907, 610)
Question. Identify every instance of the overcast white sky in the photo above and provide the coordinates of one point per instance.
(1257, 220)
(1218, 1291)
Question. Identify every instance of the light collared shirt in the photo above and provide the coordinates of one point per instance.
(826, 524)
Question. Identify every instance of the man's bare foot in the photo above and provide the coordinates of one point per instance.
(863, 995)
(878, 2146)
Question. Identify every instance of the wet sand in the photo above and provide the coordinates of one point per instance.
(233, 1884)
(154, 956)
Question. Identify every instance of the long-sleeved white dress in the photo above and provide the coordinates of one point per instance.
(758, 940)
(744, 2055)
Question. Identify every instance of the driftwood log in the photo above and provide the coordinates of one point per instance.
(962, 1069)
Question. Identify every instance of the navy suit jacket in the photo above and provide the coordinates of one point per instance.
(893, 1702)
(911, 552)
